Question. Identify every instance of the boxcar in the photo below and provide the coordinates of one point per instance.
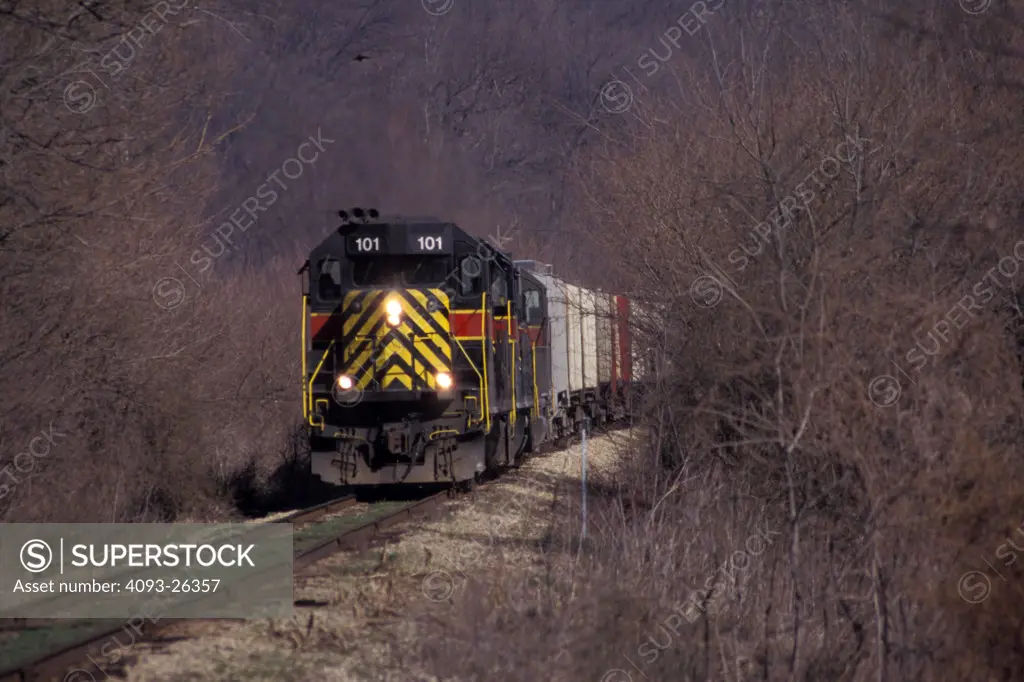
(591, 352)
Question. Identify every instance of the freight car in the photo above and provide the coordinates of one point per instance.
(430, 357)
(591, 356)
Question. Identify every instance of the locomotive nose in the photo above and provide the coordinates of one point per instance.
(397, 340)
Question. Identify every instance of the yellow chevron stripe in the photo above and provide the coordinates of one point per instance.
(394, 348)
(436, 365)
(421, 297)
(399, 378)
(395, 373)
(352, 359)
(439, 364)
(440, 317)
(414, 316)
(360, 368)
(350, 298)
(418, 326)
(373, 319)
(422, 317)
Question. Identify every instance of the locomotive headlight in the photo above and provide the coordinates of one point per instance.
(444, 380)
(394, 310)
(345, 382)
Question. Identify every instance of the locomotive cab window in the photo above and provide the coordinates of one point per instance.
(531, 301)
(427, 271)
(329, 280)
(470, 276)
(399, 270)
(371, 272)
(499, 291)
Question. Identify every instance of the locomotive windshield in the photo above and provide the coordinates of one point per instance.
(399, 270)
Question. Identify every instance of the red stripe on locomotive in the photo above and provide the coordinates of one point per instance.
(324, 326)
(499, 325)
(465, 323)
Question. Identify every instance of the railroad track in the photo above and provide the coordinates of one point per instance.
(40, 651)
(315, 512)
(48, 651)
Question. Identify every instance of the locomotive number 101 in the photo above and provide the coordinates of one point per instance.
(430, 243)
(367, 244)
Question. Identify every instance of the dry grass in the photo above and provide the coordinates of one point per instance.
(381, 605)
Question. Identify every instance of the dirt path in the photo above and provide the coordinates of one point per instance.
(369, 608)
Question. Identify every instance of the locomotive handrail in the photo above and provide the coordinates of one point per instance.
(305, 367)
(536, 393)
(472, 364)
(312, 378)
(536, 388)
(512, 359)
(483, 354)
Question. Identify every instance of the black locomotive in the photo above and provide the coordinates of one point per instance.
(428, 356)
